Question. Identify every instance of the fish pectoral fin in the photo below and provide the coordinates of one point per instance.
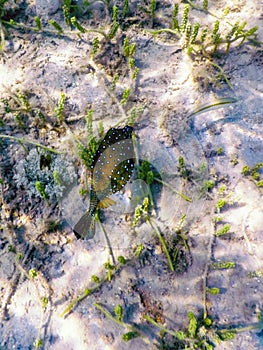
(105, 203)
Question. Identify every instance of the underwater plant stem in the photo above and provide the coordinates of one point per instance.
(162, 241)
(176, 334)
(208, 261)
(77, 300)
(222, 73)
(172, 189)
(165, 30)
(109, 315)
(128, 327)
(104, 82)
(53, 31)
(243, 329)
(107, 240)
(88, 291)
(22, 140)
(208, 106)
(198, 8)
(149, 319)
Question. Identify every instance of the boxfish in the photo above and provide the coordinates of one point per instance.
(111, 168)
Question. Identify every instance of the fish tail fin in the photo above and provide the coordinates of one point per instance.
(84, 228)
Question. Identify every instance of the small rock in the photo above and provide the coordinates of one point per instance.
(11, 46)
(46, 7)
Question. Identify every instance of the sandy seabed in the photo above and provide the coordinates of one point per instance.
(168, 87)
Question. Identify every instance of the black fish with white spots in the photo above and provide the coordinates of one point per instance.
(112, 167)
